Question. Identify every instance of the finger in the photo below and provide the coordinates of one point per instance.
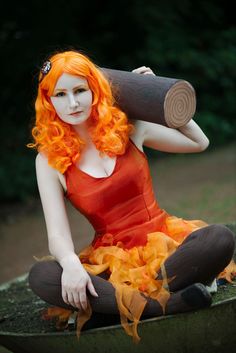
(139, 69)
(92, 289)
(149, 73)
(64, 296)
(83, 300)
(71, 299)
(147, 70)
(76, 300)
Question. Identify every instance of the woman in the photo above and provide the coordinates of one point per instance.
(142, 262)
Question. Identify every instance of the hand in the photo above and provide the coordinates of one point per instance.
(143, 70)
(75, 281)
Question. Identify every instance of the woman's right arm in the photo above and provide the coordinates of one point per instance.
(75, 279)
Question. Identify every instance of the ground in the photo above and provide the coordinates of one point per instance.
(191, 186)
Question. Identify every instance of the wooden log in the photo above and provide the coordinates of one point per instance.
(162, 100)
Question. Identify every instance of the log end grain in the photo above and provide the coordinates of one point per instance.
(179, 104)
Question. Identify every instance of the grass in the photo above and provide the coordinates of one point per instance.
(198, 186)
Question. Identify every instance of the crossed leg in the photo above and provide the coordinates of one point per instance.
(199, 259)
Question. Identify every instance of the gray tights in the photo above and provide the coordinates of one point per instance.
(199, 259)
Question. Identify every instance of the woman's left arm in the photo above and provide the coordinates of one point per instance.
(187, 139)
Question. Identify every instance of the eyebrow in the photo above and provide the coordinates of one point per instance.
(83, 85)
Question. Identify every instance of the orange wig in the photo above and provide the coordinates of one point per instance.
(109, 127)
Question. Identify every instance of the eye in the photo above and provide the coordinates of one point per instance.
(60, 94)
(79, 90)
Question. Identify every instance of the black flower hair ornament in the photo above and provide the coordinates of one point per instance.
(45, 69)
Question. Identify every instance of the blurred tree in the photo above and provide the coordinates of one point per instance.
(182, 39)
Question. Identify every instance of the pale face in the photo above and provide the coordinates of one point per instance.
(72, 99)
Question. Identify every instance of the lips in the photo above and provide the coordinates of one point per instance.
(76, 113)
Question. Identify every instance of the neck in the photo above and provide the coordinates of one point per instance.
(83, 131)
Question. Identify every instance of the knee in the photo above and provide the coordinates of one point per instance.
(222, 238)
(42, 274)
(36, 277)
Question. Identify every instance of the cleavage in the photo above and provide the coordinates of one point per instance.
(93, 164)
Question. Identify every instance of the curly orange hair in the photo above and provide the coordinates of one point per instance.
(109, 126)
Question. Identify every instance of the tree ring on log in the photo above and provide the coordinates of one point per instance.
(179, 104)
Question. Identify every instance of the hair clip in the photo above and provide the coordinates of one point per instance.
(45, 69)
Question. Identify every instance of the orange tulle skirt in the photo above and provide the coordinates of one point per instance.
(133, 273)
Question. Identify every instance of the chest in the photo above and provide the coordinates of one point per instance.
(97, 196)
(92, 163)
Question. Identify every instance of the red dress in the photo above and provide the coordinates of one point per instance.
(133, 235)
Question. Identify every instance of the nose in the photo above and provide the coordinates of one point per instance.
(73, 103)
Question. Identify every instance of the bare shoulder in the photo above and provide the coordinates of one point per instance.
(42, 165)
(44, 170)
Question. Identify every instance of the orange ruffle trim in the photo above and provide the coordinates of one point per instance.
(133, 273)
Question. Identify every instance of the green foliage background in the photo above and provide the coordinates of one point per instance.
(181, 39)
